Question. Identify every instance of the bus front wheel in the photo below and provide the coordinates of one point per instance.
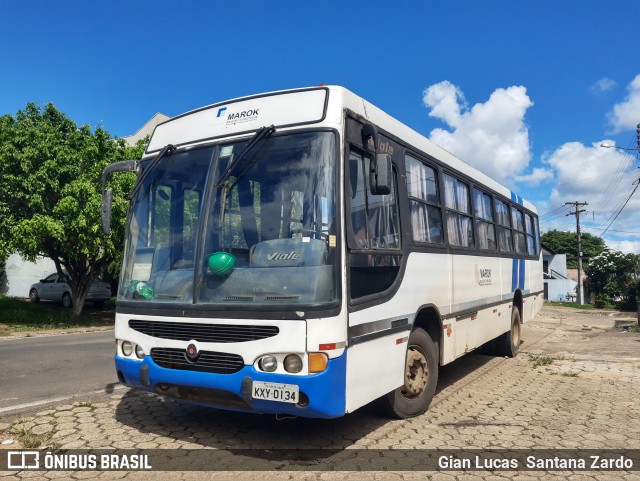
(420, 378)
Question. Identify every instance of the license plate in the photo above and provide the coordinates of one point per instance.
(272, 391)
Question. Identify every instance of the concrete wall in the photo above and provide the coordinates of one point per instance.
(558, 262)
(558, 289)
(20, 274)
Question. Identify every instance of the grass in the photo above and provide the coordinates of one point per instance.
(28, 439)
(575, 305)
(540, 360)
(18, 315)
(635, 329)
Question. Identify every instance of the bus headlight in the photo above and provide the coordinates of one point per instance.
(127, 348)
(293, 363)
(268, 363)
(139, 352)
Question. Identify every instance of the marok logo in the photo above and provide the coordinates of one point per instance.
(282, 256)
(221, 111)
(243, 114)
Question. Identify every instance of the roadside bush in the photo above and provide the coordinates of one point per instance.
(600, 302)
(630, 293)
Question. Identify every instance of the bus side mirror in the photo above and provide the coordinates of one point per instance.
(380, 175)
(107, 194)
(107, 200)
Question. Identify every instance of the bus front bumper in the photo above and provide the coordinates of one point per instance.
(322, 394)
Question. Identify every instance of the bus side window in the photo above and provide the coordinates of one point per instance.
(531, 236)
(459, 220)
(424, 202)
(374, 226)
(505, 242)
(519, 231)
(482, 209)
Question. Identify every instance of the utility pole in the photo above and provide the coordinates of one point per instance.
(577, 212)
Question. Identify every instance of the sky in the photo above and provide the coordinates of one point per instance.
(526, 91)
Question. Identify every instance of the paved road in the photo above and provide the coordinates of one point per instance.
(36, 370)
(574, 386)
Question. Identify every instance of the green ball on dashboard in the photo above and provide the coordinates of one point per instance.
(221, 263)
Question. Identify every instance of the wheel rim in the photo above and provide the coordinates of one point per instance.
(416, 373)
(516, 333)
(66, 301)
(33, 295)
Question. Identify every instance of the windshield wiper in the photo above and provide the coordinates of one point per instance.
(166, 150)
(262, 133)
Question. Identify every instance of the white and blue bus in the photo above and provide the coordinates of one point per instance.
(303, 253)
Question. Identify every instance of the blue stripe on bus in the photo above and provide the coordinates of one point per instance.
(514, 275)
(521, 279)
(517, 199)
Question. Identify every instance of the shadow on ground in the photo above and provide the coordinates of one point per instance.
(263, 437)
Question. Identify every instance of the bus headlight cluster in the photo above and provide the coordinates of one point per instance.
(128, 348)
(268, 363)
(292, 363)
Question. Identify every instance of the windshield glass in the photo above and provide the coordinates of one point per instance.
(266, 237)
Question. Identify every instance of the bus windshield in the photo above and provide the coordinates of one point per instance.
(264, 238)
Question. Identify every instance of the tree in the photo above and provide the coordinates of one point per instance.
(612, 275)
(566, 243)
(50, 173)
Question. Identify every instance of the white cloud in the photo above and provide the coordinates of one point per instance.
(538, 175)
(585, 172)
(601, 177)
(626, 114)
(491, 136)
(604, 85)
(626, 246)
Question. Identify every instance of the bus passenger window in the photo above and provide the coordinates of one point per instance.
(519, 234)
(531, 242)
(459, 222)
(505, 242)
(424, 202)
(484, 220)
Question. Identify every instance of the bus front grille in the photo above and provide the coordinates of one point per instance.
(191, 331)
(207, 361)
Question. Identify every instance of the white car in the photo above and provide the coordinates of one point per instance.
(55, 288)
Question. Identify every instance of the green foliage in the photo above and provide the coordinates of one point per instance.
(50, 172)
(566, 243)
(19, 315)
(612, 276)
(600, 302)
(630, 294)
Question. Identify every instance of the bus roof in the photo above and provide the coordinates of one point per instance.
(298, 107)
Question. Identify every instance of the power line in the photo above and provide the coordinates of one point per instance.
(636, 183)
(595, 177)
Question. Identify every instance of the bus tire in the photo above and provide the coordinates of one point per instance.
(509, 343)
(420, 378)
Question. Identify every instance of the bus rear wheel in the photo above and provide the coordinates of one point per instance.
(420, 378)
(509, 343)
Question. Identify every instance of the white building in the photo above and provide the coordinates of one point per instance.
(20, 274)
(557, 285)
(146, 129)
